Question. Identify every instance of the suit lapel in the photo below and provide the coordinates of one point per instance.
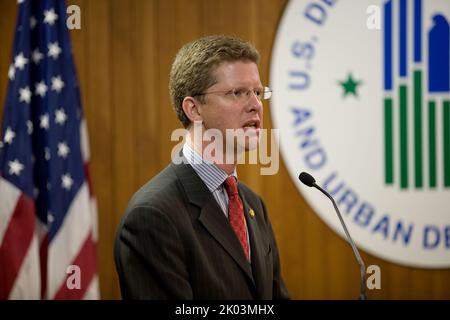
(211, 216)
(215, 222)
(258, 249)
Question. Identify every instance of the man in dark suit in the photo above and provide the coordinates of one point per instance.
(194, 231)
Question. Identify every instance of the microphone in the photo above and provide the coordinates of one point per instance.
(309, 180)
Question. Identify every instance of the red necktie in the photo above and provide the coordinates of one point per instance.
(236, 213)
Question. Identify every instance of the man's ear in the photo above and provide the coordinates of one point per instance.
(191, 109)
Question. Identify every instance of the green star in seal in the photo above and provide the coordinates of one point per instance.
(350, 86)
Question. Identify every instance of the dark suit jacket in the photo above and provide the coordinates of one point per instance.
(174, 242)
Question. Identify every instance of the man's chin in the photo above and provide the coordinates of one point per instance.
(243, 140)
(251, 143)
(251, 132)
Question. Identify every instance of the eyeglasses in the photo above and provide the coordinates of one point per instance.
(242, 95)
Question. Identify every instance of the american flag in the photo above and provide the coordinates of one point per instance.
(48, 216)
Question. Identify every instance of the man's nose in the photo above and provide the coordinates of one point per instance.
(254, 101)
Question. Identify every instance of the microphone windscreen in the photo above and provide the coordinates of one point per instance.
(307, 179)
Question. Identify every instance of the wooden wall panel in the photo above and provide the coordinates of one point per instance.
(96, 90)
(7, 24)
(145, 99)
(123, 54)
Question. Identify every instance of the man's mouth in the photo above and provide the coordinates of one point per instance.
(252, 124)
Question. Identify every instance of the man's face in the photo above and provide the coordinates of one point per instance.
(223, 110)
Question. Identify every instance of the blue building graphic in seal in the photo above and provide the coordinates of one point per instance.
(426, 81)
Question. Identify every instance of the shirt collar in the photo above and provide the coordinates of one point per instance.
(210, 174)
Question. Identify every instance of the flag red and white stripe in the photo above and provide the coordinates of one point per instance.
(48, 215)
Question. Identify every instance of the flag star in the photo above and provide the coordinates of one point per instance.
(41, 88)
(36, 56)
(35, 192)
(49, 186)
(20, 61)
(29, 127)
(50, 217)
(66, 181)
(54, 50)
(15, 167)
(44, 121)
(11, 72)
(50, 16)
(47, 154)
(33, 22)
(63, 149)
(9, 135)
(57, 83)
(60, 116)
(25, 95)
